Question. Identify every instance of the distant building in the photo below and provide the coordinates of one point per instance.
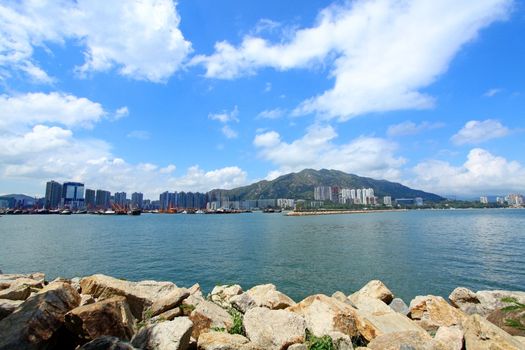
(418, 201)
(102, 200)
(500, 200)
(484, 200)
(515, 200)
(387, 200)
(285, 203)
(323, 193)
(405, 201)
(120, 199)
(53, 195)
(137, 200)
(90, 199)
(73, 194)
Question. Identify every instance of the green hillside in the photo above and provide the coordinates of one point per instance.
(301, 186)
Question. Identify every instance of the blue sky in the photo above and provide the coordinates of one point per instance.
(193, 95)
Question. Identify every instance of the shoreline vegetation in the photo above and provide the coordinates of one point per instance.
(102, 312)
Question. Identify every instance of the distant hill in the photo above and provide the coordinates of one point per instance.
(19, 197)
(301, 186)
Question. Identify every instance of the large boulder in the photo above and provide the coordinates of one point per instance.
(16, 292)
(208, 315)
(7, 307)
(432, 312)
(139, 295)
(110, 317)
(274, 329)
(501, 318)
(451, 336)
(398, 305)
(36, 280)
(267, 295)
(222, 294)
(194, 299)
(36, 322)
(405, 340)
(242, 302)
(169, 301)
(481, 334)
(482, 302)
(169, 335)
(107, 343)
(324, 315)
(376, 289)
(374, 318)
(224, 341)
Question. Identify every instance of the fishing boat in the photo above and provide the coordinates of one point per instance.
(134, 212)
(65, 212)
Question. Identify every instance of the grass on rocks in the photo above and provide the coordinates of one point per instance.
(515, 305)
(319, 343)
(237, 327)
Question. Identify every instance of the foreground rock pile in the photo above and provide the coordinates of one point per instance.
(101, 312)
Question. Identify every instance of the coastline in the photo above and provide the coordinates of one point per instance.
(335, 212)
(102, 312)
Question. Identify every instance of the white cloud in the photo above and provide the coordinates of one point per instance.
(229, 132)
(272, 113)
(476, 131)
(492, 92)
(411, 128)
(225, 116)
(139, 134)
(121, 112)
(365, 156)
(482, 173)
(268, 87)
(197, 179)
(140, 38)
(381, 53)
(57, 108)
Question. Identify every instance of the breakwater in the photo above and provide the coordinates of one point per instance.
(102, 312)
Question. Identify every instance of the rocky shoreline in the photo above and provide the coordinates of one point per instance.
(101, 312)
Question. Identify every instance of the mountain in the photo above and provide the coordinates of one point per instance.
(301, 186)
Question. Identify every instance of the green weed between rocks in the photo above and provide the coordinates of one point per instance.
(319, 343)
(515, 306)
(237, 327)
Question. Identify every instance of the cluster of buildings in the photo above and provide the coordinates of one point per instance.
(513, 200)
(358, 196)
(73, 195)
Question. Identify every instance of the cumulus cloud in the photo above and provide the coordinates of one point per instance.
(57, 108)
(140, 38)
(492, 92)
(482, 173)
(226, 116)
(381, 53)
(272, 113)
(476, 131)
(365, 156)
(197, 179)
(229, 132)
(411, 128)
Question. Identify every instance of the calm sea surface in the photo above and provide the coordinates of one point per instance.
(414, 253)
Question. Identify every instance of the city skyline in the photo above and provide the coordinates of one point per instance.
(220, 95)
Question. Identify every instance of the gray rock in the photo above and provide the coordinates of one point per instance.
(8, 306)
(376, 289)
(274, 329)
(398, 305)
(267, 295)
(208, 315)
(224, 341)
(139, 295)
(169, 301)
(37, 320)
(222, 294)
(243, 302)
(169, 335)
(110, 317)
(298, 347)
(107, 343)
(16, 292)
(481, 334)
(483, 302)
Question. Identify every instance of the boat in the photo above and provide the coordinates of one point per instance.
(199, 212)
(134, 212)
(65, 212)
(109, 212)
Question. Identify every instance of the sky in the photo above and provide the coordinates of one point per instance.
(191, 95)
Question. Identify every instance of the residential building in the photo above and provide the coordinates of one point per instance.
(484, 200)
(102, 200)
(120, 199)
(90, 199)
(387, 200)
(323, 193)
(73, 194)
(137, 200)
(53, 195)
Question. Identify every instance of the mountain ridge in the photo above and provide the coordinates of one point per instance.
(300, 185)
